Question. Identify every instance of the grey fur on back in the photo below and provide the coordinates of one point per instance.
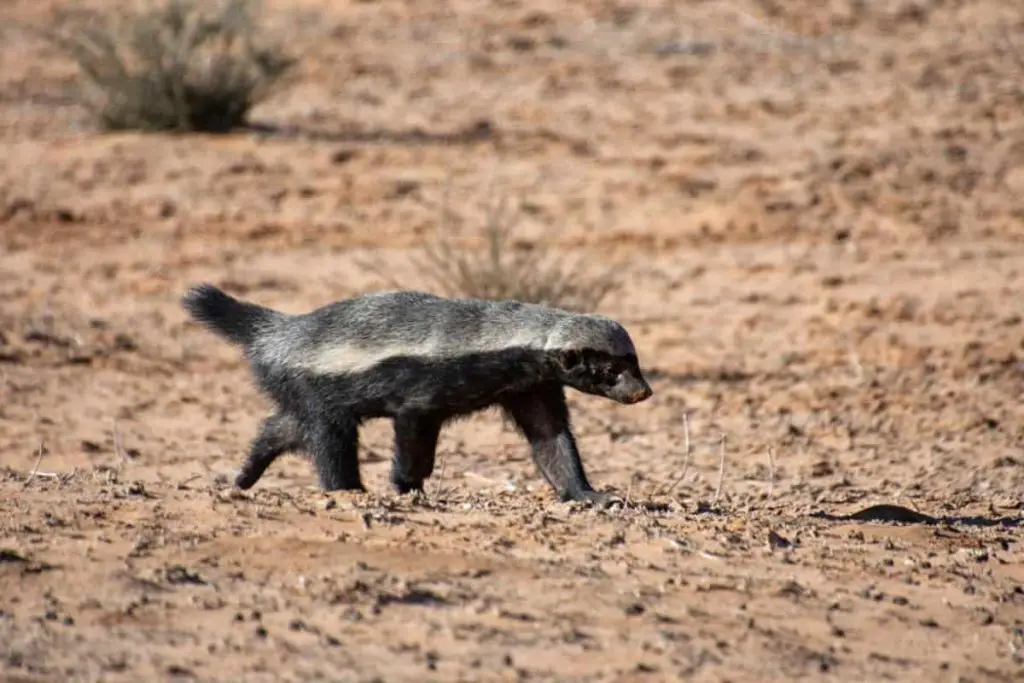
(354, 334)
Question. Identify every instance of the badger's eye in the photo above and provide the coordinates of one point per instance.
(607, 373)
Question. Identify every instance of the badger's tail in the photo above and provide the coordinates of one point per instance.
(237, 321)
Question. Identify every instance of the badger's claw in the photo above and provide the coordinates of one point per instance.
(595, 498)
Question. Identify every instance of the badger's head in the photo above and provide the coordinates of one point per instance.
(595, 355)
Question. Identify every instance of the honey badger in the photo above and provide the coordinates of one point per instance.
(421, 360)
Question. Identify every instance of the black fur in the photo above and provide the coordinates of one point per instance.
(320, 413)
(237, 321)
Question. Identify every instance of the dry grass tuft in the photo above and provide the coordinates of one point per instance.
(508, 268)
(184, 65)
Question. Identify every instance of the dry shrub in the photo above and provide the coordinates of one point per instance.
(508, 268)
(186, 65)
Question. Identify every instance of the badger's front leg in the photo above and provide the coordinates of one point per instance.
(543, 417)
(415, 449)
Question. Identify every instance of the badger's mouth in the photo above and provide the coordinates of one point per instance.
(630, 389)
(638, 396)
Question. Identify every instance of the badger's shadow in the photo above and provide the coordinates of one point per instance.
(476, 132)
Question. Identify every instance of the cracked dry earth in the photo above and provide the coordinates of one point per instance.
(819, 208)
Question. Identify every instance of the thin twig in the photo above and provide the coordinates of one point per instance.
(721, 470)
(119, 451)
(686, 453)
(35, 468)
(440, 478)
(39, 459)
(771, 471)
(189, 480)
(858, 367)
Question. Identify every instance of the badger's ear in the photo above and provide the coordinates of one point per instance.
(570, 360)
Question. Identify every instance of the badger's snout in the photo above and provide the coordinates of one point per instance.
(630, 388)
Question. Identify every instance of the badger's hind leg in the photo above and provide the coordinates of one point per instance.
(543, 417)
(278, 435)
(333, 444)
(415, 449)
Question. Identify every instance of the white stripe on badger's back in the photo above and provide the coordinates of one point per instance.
(355, 335)
(440, 328)
(350, 359)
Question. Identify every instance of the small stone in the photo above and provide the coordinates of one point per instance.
(634, 609)
(777, 542)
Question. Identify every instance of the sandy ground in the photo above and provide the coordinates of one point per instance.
(820, 208)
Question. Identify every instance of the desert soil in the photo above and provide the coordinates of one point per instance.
(819, 212)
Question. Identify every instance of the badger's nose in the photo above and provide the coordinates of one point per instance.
(634, 390)
(641, 394)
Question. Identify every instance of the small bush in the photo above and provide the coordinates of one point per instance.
(186, 65)
(507, 268)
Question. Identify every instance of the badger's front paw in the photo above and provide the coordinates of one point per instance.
(595, 498)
